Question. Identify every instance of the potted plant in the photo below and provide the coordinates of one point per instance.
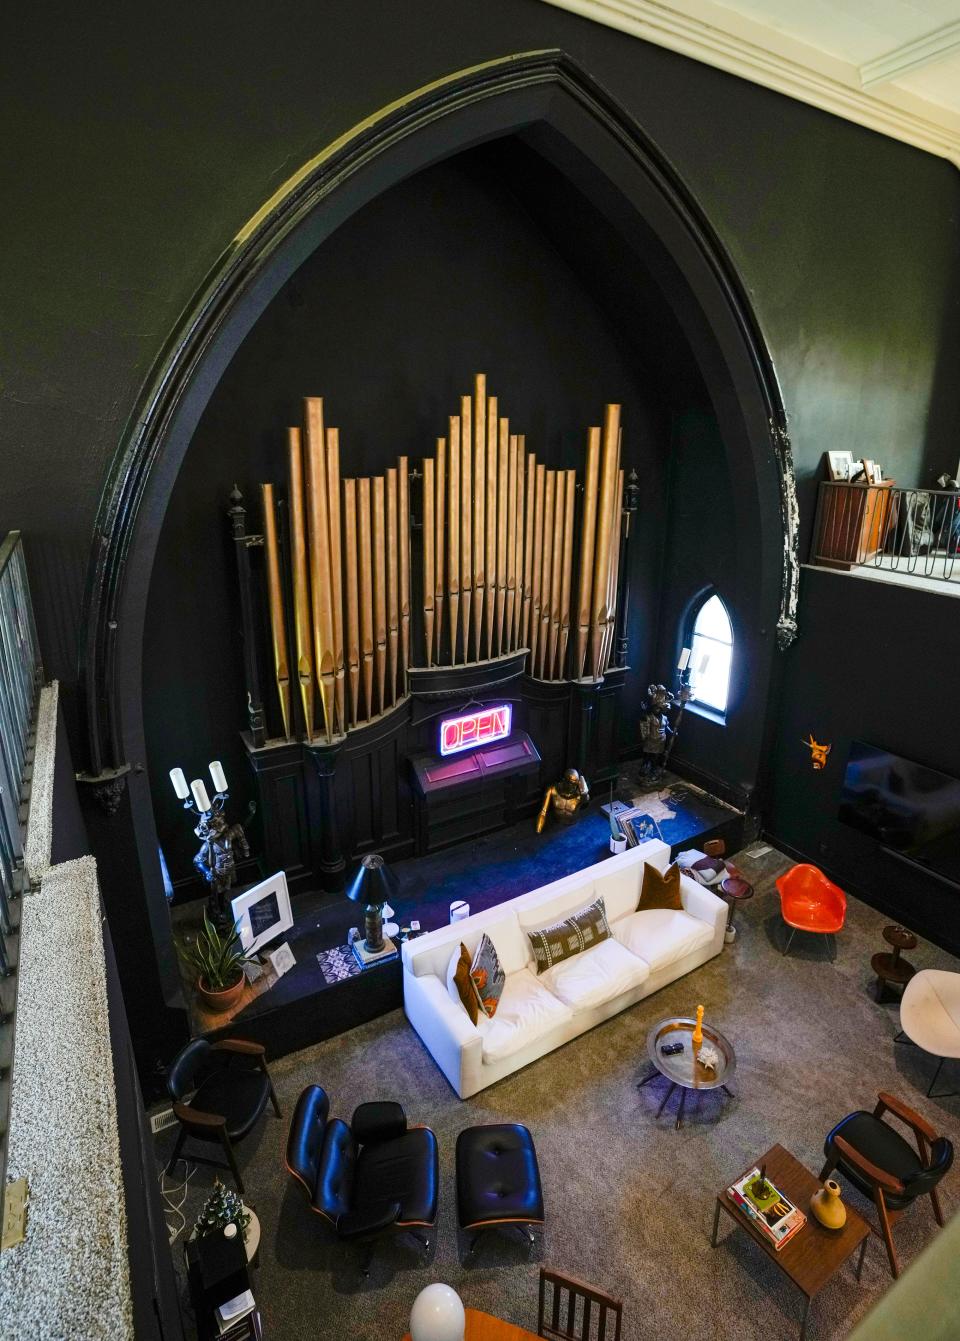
(217, 960)
(220, 1209)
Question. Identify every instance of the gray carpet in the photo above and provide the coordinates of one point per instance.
(629, 1199)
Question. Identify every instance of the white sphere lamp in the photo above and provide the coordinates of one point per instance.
(437, 1315)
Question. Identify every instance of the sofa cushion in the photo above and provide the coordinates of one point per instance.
(580, 931)
(660, 890)
(460, 984)
(661, 936)
(487, 976)
(595, 976)
(526, 1012)
(509, 941)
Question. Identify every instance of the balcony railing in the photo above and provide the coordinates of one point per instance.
(20, 678)
(911, 532)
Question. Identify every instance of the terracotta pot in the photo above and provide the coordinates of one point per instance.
(218, 1002)
(827, 1206)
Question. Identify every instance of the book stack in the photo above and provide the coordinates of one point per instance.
(773, 1214)
(238, 1318)
(636, 825)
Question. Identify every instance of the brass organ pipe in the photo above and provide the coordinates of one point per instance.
(521, 465)
(568, 521)
(365, 561)
(546, 572)
(440, 511)
(453, 537)
(336, 569)
(302, 626)
(588, 523)
(497, 429)
(614, 570)
(379, 591)
(278, 631)
(528, 532)
(352, 649)
(429, 556)
(559, 514)
(393, 586)
(503, 465)
(480, 413)
(320, 558)
(534, 636)
(511, 546)
(466, 520)
(403, 481)
(608, 479)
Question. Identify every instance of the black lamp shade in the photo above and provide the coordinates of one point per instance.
(374, 882)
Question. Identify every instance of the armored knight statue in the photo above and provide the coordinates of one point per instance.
(655, 729)
(566, 797)
(216, 860)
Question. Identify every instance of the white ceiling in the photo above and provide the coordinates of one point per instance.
(893, 65)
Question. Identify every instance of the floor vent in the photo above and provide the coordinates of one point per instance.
(162, 1120)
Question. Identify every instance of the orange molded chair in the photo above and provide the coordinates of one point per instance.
(811, 902)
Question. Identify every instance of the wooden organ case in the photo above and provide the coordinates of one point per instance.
(477, 577)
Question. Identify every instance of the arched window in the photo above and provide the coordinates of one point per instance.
(711, 651)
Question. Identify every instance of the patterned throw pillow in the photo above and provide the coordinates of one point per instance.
(487, 976)
(660, 891)
(564, 939)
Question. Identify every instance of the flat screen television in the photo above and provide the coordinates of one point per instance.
(910, 809)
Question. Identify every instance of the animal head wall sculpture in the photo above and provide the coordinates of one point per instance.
(818, 753)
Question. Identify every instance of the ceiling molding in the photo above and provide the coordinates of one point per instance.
(718, 36)
(913, 55)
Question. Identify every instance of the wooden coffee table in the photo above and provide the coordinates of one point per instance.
(814, 1254)
(484, 1327)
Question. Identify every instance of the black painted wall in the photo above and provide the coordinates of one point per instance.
(139, 140)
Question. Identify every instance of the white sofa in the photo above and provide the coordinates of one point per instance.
(537, 1013)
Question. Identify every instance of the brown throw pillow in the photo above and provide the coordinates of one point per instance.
(464, 985)
(660, 891)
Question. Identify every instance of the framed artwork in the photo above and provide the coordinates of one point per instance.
(840, 465)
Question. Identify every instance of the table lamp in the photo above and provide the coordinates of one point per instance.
(373, 885)
(437, 1315)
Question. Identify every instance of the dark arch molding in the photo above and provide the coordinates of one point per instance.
(465, 108)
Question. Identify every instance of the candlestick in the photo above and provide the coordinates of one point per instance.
(200, 796)
(218, 776)
(698, 1030)
(179, 783)
(684, 659)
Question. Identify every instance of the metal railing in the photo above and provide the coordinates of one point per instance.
(908, 531)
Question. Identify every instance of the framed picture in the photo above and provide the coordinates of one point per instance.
(840, 465)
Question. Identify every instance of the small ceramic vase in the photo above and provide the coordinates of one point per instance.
(618, 844)
(827, 1206)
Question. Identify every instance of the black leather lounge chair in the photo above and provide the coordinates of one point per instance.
(216, 1100)
(375, 1177)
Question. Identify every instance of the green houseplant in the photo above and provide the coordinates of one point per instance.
(217, 960)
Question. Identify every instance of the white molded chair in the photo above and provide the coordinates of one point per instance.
(930, 1016)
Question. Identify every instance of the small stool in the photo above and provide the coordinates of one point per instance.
(498, 1181)
(735, 890)
(891, 968)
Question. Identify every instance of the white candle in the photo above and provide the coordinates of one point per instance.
(684, 659)
(179, 783)
(218, 776)
(200, 794)
(704, 662)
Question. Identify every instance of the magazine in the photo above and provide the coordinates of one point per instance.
(773, 1214)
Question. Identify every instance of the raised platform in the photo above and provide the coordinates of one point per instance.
(302, 1007)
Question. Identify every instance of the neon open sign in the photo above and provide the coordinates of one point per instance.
(475, 728)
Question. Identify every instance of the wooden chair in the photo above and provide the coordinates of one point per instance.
(878, 1161)
(565, 1293)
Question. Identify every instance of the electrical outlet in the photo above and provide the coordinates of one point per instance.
(161, 1121)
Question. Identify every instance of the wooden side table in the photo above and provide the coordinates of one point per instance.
(814, 1254)
(892, 968)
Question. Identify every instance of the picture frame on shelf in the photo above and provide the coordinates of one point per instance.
(840, 465)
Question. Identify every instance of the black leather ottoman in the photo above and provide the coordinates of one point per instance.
(498, 1180)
